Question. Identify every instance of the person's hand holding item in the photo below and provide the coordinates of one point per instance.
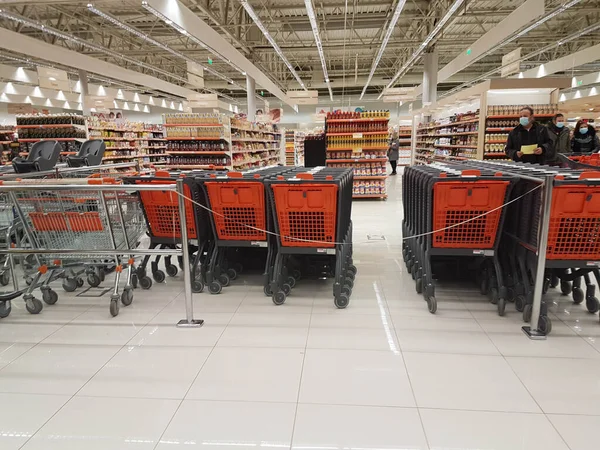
(538, 151)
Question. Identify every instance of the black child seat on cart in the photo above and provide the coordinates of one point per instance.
(42, 156)
(312, 212)
(90, 154)
(241, 221)
(462, 204)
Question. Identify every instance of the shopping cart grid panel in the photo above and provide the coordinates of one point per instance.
(162, 211)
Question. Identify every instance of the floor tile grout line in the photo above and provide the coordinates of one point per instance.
(526, 389)
(301, 374)
(184, 398)
(93, 375)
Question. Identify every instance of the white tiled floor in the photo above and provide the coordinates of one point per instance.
(382, 374)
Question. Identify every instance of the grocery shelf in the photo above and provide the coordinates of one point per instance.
(110, 158)
(183, 152)
(453, 124)
(364, 133)
(455, 146)
(349, 149)
(233, 139)
(496, 142)
(462, 133)
(368, 177)
(357, 160)
(220, 138)
(516, 116)
(256, 131)
(369, 196)
(57, 125)
(168, 125)
(51, 139)
(504, 155)
(116, 149)
(374, 119)
(193, 166)
(493, 129)
(61, 153)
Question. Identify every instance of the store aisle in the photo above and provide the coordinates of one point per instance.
(382, 374)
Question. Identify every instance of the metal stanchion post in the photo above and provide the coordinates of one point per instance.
(189, 320)
(543, 228)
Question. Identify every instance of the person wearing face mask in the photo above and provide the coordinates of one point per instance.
(528, 142)
(560, 138)
(585, 139)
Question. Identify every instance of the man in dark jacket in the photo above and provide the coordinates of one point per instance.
(560, 136)
(529, 141)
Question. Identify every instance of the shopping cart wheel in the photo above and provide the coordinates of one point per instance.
(102, 274)
(80, 282)
(127, 297)
(287, 288)
(279, 298)
(215, 287)
(431, 304)
(413, 271)
(501, 306)
(297, 274)
(484, 284)
(545, 325)
(352, 268)
(134, 280)
(545, 286)
(527, 312)
(197, 286)
(49, 296)
(5, 308)
(145, 282)
(292, 282)
(520, 303)
(224, 279)
(114, 306)
(578, 295)
(28, 280)
(347, 290)
(232, 273)
(34, 306)
(69, 284)
(159, 276)
(349, 281)
(341, 301)
(592, 304)
(419, 285)
(5, 278)
(510, 294)
(554, 281)
(93, 280)
(172, 270)
(494, 296)
(566, 287)
(267, 290)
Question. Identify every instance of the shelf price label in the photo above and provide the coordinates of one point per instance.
(357, 135)
(357, 150)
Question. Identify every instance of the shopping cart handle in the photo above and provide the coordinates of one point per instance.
(470, 173)
(589, 174)
(235, 174)
(10, 296)
(305, 176)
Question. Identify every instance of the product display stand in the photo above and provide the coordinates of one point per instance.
(299, 137)
(255, 145)
(405, 137)
(67, 129)
(290, 157)
(9, 148)
(360, 141)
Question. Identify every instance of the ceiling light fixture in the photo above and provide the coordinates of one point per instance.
(153, 41)
(183, 31)
(315, 28)
(269, 38)
(386, 38)
(417, 53)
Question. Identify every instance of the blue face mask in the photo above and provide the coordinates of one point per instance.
(583, 130)
(560, 124)
(524, 121)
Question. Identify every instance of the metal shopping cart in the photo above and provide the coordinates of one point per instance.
(241, 220)
(312, 214)
(454, 211)
(75, 222)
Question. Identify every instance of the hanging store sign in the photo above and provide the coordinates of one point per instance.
(56, 79)
(195, 74)
(510, 63)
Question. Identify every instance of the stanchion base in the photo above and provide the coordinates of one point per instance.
(533, 334)
(193, 324)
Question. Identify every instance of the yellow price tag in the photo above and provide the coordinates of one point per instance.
(528, 149)
(357, 150)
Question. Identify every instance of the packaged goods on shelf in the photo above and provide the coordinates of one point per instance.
(349, 115)
(515, 110)
(193, 119)
(49, 119)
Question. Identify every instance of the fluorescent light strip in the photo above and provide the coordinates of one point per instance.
(388, 34)
(555, 12)
(90, 45)
(315, 28)
(267, 35)
(457, 4)
(183, 31)
(486, 75)
(153, 41)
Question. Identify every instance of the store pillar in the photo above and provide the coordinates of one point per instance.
(251, 93)
(430, 73)
(83, 83)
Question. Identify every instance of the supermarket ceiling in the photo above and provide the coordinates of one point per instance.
(348, 47)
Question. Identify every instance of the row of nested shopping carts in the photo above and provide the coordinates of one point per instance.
(490, 212)
(64, 230)
(290, 221)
